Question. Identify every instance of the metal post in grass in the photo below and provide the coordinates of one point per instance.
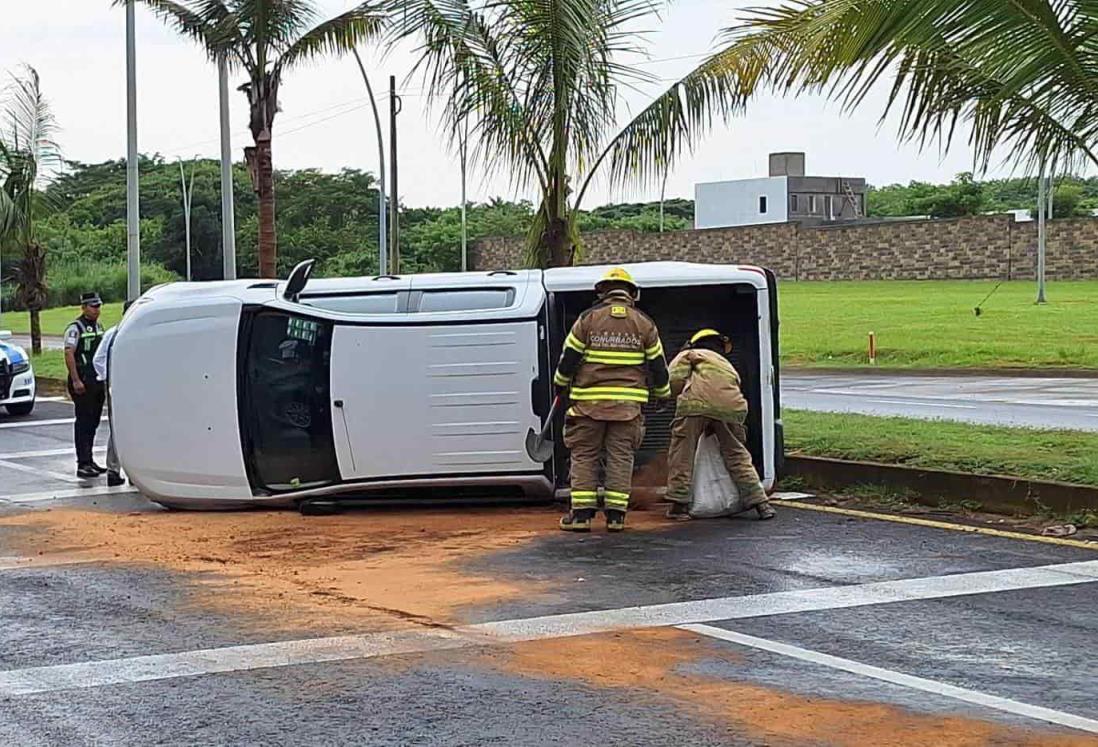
(382, 217)
(188, 192)
(1042, 215)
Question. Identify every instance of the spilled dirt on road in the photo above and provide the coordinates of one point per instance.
(655, 666)
(375, 568)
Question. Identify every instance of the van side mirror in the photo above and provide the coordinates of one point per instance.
(299, 276)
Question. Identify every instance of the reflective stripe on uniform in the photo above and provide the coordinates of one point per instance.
(615, 500)
(574, 342)
(560, 379)
(585, 499)
(663, 392)
(614, 357)
(609, 393)
(654, 352)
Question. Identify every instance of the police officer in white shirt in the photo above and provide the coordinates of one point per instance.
(101, 361)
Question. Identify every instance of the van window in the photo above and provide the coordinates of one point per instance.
(480, 299)
(365, 303)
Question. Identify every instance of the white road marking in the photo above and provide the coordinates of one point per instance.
(287, 653)
(918, 403)
(47, 453)
(40, 423)
(39, 472)
(898, 678)
(52, 495)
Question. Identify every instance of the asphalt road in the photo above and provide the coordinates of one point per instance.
(995, 400)
(810, 629)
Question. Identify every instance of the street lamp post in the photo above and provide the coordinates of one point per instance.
(133, 224)
(382, 234)
(188, 192)
(228, 216)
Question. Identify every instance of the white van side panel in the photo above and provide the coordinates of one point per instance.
(433, 400)
(173, 381)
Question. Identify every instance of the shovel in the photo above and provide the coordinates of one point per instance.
(538, 445)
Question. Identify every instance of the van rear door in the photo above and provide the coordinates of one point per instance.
(444, 389)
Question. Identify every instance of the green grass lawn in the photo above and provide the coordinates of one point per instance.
(927, 324)
(930, 324)
(1065, 456)
(49, 365)
(54, 321)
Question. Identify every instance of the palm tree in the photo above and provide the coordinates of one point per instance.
(537, 84)
(1020, 75)
(266, 39)
(27, 155)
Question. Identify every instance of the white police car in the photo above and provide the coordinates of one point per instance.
(17, 385)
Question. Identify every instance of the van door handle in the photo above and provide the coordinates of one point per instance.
(338, 403)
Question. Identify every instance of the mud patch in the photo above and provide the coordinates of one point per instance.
(372, 569)
(654, 664)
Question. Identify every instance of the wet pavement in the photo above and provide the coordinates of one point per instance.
(1034, 402)
(810, 629)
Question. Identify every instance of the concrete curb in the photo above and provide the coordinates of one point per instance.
(995, 493)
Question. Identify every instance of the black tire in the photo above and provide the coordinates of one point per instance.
(21, 410)
(319, 508)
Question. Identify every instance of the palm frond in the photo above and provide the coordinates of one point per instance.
(336, 36)
(1021, 74)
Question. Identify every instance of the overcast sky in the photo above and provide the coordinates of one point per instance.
(78, 47)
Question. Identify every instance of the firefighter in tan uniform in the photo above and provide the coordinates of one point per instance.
(609, 357)
(709, 400)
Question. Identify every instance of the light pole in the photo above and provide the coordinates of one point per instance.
(188, 192)
(382, 234)
(133, 224)
(228, 215)
(464, 146)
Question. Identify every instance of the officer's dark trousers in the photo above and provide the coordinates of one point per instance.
(89, 411)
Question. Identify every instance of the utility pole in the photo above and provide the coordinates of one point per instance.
(228, 215)
(1042, 214)
(382, 208)
(394, 194)
(133, 223)
(663, 191)
(188, 192)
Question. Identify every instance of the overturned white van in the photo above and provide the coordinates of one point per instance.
(421, 387)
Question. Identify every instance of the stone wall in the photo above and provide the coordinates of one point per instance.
(986, 246)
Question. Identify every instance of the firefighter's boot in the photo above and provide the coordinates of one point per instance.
(678, 511)
(615, 520)
(577, 520)
(765, 511)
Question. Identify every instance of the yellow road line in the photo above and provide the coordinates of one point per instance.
(1063, 541)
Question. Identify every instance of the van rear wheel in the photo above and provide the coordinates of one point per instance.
(319, 508)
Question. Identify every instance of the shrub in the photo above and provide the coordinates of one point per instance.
(68, 279)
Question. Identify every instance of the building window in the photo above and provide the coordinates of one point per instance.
(762, 205)
(812, 203)
(830, 207)
(792, 203)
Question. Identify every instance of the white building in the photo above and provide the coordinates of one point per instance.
(786, 195)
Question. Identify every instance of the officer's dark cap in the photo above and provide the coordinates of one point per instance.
(90, 299)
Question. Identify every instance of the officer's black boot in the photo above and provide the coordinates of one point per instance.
(577, 520)
(114, 479)
(615, 520)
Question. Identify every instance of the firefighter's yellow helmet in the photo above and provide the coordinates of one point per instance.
(617, 275)
(702, 334)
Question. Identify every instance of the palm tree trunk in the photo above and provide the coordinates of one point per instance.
(558, 243)
(268, 250)
(36, 331)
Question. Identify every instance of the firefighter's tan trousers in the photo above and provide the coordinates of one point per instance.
(685, 434)
(589, 441)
